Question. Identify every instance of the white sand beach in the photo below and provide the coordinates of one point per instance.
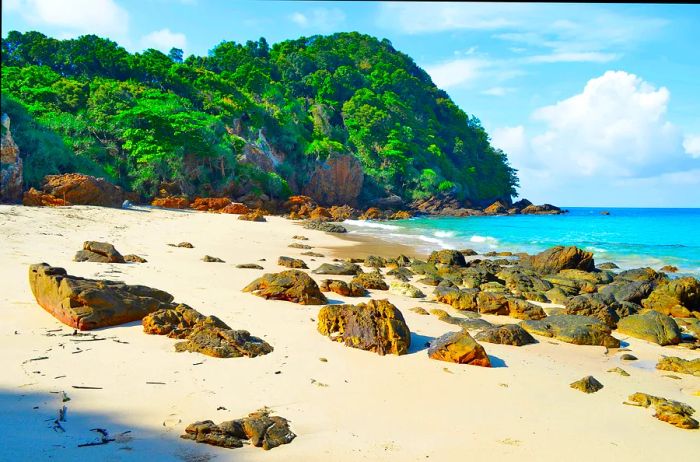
(356, 405)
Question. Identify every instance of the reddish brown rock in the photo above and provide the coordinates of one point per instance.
(496, 208)
(171, 202)
(342, 288)
(210, 204)
(99, 252)
(79, 189)
(338, 180)
(87, 303)
(558, 258)
(544, 209)
(235, 208)
(371, 213)
(460, 348)
(401, 215)
(35, 198)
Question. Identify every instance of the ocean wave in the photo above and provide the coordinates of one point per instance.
(481, 239)
(444, 234)
(371, 224)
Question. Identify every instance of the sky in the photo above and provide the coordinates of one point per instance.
(595, 104)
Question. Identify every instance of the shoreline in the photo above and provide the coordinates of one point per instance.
(351, 405)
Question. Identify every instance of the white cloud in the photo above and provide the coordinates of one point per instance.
(456, 72)
(320, 19)
(571, 57)
(610, 138)
(691, 144)
(497, 91)
(74, 17)
(164, 40)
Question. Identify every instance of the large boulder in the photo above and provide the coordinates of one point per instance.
(99, 252)
(522, 309)
(558, 258)
(509, 334)
(259, 428)
(495, 208)
(641, 274)
(10, 166)
(678, 298)
(651, 326)
(544, 209)
(459, 299)
(447, 257)
(579, 330)
(336, 181)
(178, 321)
(628, 291)
(88, 303)
(458, 347)
(292, 285)
(376, 326)
(341, 269)
(342, 288)
(79, 189)
(596, 305)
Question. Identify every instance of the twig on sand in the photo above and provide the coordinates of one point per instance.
(155, 383)
(40, 358)
(104, 438)
(81, 387)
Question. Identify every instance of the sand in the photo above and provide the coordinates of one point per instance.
(355, 406)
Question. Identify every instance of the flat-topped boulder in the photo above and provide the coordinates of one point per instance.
(509, 334)
(290, 262)
(651, 326)
(579, 330)
(376, 326)
(89, 303)
(341, 269)
(291, 285)
(458, 347)
(558, 258)
(99, 252)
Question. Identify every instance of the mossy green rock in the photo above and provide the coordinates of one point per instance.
(675, 364)
(579, 330)
(509, 334)
(292, 285)
(588, 384)
(447, 257)
(677, 298)
(406, 289)
(651, 326)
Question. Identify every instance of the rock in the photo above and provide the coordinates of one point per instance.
(210, 204)
(376, 326)
(259, 427)
(459, 299)
(220, 342)
(131, 258)
(628, 357)
(521, 204)
(79, 189)
(370, 281)
(470, 323)
(544, 209)
(373, 261)
(431, 280)
(556, 295)
(673, 412)
(184, 245)
(447, 257)
(249, 266)
(490, 303)
(210, 259)
(460, 348)
(291, 262)
(579, 330)
(256, 215)
(596, 305)
(338, 180)
(87, 303)
(619, 370)
(406, 289)
(178, 321)
(558, 258)
(677, 298)
(342, 288)
(390, 202)
(296, 245)
(651, 326)
(313, 254)
(495, 208)
(641, 274)
(607, 265)
(587, 384)
(468, 252)
(628, 291)
(10, 166)
(684, 366)
(300, 238)
(341, 269)
(521, 309)
(235, 208)
(291, 285)
(325, 226)
(419, 310)
(669, 269)
(401, 273)
(34, 198)
(372, 213)
(171, 202)
(401, 215)
(509, 334)
(100, 252)
(605, 212)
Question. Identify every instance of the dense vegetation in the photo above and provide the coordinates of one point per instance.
(141, 119)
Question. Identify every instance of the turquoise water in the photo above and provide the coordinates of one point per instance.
(629, 237)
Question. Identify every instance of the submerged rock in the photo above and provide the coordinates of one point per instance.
(376, 326)
(88, 303)
(651, 326)
(262, 429)
(579, 330)
(292, 285)
(460, 348)
(673, 412)
(509, 334)
(675, 364)
(587, 384)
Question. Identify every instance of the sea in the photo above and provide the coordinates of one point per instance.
(629, 237)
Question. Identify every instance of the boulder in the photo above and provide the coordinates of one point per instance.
(460, 348)
(642, 274)
(79, 189)
(669, 269)
(587, 384)
(596, 305)
(249, 266)
(87, 304)
(401, 273)
(400, 215)
(374, 261)
(10, 166)
(131, 258)
(183, 245)
(608, 265)
(342, 288)
(255, 215)
(171, 202)
(509, 334)
(341, 269)
(470, 323)
(521, 309)
(419, 310)
(313, 254)
(178, 321)
(376, 326)
(496, 208)
(677, 298)
(371, 281)
(673, 412)
(651, 326)
(459, 299)
(628, 291)
(619, 370)
(235, 208)
(35, 198)
(218, 342)
(210, 204)
(100, 252)
(291, 285)
(337, 180)
(492, 303)
(260, 428)
(325, 226)
(544, 209)
(579, 330)
(558, 258)
(290, 262)
(406, 289)
(210, 259)
(675, 364)
(447, 257)
(372, 213)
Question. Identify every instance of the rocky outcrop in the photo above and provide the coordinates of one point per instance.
(325, 226)
(338, 180)
(87, 303)
(171, 202)
(651, 326)
(588, 384)
(544, 209)
(342, 288)
(10, 166)
(100, 252)
(673, 412)
(376, 326)
(497, 208)
(678, 298)
(236, 208)
(341, 269)
(460, 348)
(558, 258)
(447, 257)
(79, 189)
(292, 285)
(509, 334)
(406, 289)
(210, 204)
(259, 428)
(220, 342)
(684, 366)
(579, 330)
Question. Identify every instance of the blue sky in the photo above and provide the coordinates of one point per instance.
(595, 104)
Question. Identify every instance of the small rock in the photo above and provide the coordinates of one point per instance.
(619, 370)
(587, 384)
(131, 258)
(211, 259)
(673, 412)
(628, 357)
(684, 366)
(419, 310)
(249, 266)
(290, 262)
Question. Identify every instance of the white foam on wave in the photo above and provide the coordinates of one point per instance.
(444, 234)
(481, 239)
(371, 224)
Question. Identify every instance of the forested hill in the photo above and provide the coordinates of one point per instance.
(246, 118)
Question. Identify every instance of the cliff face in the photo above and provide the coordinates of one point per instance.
(10, 166)
(338, 180)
